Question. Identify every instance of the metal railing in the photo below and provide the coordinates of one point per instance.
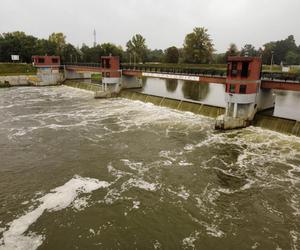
(176, 70)
(90, 65)
(274, 76)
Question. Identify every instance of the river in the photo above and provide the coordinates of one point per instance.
(81, 173)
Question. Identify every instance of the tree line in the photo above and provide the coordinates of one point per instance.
(197, 48)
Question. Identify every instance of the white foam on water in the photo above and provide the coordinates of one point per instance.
(295, 205)
(189, 241)
(214, 231)
(255, 245)
(92, 231)
(81, 203)
(189, 147)
(167, 154)
(139, 183)
(58, 199)
(295, 239)
(167, 163)
(156, 244)
(116, 173)
(185, 163)
(135, 166)
(183, 193)
(136, 204)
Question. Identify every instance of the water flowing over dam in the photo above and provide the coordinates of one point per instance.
(81, 173)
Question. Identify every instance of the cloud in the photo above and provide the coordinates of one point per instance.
(163, 23)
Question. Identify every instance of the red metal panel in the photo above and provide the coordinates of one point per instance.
(280, 85)
(212, 79)
(46, 61)
(83, 68)
(132, 73)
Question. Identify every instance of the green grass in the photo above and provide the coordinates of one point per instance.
(16, 69)
(97, 77)
(275, 68)
(295, 70)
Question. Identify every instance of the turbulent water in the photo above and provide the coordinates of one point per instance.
(80, 173)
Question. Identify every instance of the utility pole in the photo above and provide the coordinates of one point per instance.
(134, 59)
(95, 42)
(272, 61)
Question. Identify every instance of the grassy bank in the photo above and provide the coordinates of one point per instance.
(16, 69)
(96, 77)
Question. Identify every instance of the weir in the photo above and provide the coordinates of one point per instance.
(246, 93)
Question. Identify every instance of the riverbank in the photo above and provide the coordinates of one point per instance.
(18, 80)
(16, 69)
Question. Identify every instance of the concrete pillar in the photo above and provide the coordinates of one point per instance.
(235, 110)
(227, 108)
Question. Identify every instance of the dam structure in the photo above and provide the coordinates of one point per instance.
(244, 95)
(245, 92)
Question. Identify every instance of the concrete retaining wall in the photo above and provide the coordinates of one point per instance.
(290, 127)
(281, 125)
(196, 108)
(21, 80)
(82, 85)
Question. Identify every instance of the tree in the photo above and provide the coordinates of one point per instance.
(93, 54)
(137, 47)
(171, 55)
(59, 39)
(198, 46)
(280, 49)
(155, 55)
(292, 58)
(219, 58)
(45, 47)
(232, 50)
(69, 53)
(268, 50)
(17, 43)
(249, 50)
(110, 48)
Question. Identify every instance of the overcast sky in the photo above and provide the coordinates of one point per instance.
(163, 23)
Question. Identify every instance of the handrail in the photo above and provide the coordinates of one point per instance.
(276, 76)
(93, 65)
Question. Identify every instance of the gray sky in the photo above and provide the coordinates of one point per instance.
(163, 23)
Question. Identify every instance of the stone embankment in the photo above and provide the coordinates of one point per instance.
(20, 80)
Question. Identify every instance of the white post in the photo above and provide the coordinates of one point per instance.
(235, 110)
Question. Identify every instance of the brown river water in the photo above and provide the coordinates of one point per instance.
(80, 173)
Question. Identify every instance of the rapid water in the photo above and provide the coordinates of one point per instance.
(80, 173)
